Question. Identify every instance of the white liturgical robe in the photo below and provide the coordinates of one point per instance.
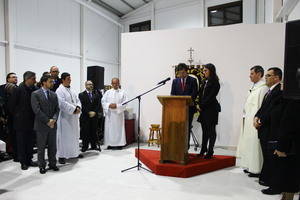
(67, 123)
(249, 150)
(114, 134)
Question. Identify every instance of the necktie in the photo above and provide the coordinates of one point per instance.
(267, 94)
(90, 96)
(48, 94)
(182, 84)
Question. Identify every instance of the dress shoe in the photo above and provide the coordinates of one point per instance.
(32, 164)
(62, 161)
(270, 191)
(118, 148)
(96, 149)
(263, 183)
(84, 150)
(246, 171)
(252, 175)
(24, 167)
(54, 168)
(43, 170)
(208, 156)
(202, 152)
(80, 156)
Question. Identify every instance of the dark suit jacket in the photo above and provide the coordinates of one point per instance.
(209, 104)
(264, 113)
(88, 106)
(57, 82)
(191, 87)
(44, 109)
(20, 107)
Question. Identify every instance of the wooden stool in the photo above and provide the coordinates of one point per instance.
(154, 129)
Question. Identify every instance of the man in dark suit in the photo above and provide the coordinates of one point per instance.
(262, 122)
(10, 78)
(54, 71)
(90, 102)
(20, 106)
(186, 85)
(10, 139)
(45, 106)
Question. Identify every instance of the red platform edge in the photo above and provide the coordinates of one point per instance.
(196, 165)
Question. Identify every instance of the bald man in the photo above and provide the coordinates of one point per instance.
(91, 105)
(114, 134)
(54, 71)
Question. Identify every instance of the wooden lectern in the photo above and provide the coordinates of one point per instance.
(174, 141)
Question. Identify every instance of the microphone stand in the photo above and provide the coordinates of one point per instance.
(139, 164)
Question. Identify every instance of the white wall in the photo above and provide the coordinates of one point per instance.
(147, 58)
(2, 45)
(102, 44)
(179, 14)
(48, 32)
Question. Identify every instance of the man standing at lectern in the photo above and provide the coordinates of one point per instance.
(186, 85)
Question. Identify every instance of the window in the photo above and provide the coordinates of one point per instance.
(142, 26)
(231, 13)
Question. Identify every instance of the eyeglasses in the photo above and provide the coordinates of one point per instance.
(56, 71)
(269, 75)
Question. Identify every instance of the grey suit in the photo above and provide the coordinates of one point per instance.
(45, 108)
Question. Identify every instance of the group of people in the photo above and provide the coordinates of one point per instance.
(268, 147)
(50, 115)
(209, 106)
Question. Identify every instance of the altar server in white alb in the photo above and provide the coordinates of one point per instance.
(249, 152)
(114, 135)
(68, 121)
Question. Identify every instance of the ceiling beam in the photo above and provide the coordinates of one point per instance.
(128, 4)
(108, 7)
(98, 12)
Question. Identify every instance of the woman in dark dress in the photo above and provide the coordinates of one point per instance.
(209, 109)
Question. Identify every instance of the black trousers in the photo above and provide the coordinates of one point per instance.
(208, 135)
(270, 163)
(46, 138)
(13, 138)
(25, 145)
(89, 132)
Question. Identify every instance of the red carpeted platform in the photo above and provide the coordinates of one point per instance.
(195, 167)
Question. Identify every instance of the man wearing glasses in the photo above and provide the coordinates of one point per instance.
(54, 71)
(262, 123)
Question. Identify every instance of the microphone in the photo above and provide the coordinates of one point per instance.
(164, 81)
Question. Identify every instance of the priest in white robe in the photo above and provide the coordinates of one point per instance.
(114, 133)
(249, 151)
(68, 121)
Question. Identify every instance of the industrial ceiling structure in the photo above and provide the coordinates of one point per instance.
(121, 7)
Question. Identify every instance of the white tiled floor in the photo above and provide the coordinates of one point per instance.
(98, 177)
